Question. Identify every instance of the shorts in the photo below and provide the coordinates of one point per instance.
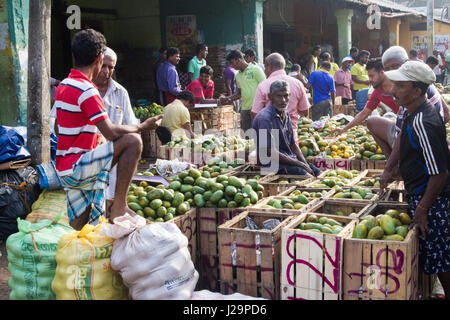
(320, 109)
(391, 134)
(434, 250)
(87, 184)
(294, 170)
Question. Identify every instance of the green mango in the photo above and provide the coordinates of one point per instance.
(312, 219)
(375, 233)
(360, 231)
(325, 229)
(232, 204)
(370, 222)
(323, 220)
(301, 226)
(155, 194)
(333, 222)
(402, 231)
(155, 204)
(201, 182)
(405, 218)
(135, 206)
(387, 224)
(275, 203)
(356, 195)
(216, 196)
(216, 187)
(177, 199)
(183, 208)
(161, 211)
(194, 173)
(230, 191)
(238, 197)
(198, 190)
(253, 197)
(188, 195)
(207, 195)
(393, 237)
(392, 213)
(235, 182)
(302, 199)
(312, 225)
(246, 202)
(186, 188)
(199, 201)
(189, 180)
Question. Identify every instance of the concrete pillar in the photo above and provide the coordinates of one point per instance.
(38, 116)
(394, 31)
(253, 27)
(18, 15)
(344, 22)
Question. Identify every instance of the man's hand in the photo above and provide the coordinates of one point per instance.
(100, 140)
(384, 179)
(306, 167)
(337, 131)
(151, 123)
(421, 220)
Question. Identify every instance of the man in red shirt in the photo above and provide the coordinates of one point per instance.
(203, 87)
(82, 167)
(380, 127)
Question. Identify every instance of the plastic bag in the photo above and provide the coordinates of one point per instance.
(31, 256)
(84, 270)
(12, 145)
(19, 189)
(154, 262)
(49, 205)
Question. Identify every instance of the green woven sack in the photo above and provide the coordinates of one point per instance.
(31, 257)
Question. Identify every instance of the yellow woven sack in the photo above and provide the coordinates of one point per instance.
(83, 270)
(48, 206)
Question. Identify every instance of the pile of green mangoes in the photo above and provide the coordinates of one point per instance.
(192, 188)
(370, 182)
(357, 193)
(144, 112)
(291, 202)
(218, 166)
(333, 178)
(322, 224)
(391, 225)
(309, 194)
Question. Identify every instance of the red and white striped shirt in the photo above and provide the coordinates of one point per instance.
(79, 107)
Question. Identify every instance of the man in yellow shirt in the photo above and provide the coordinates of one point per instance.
(177, 117)
(326, 57)
(359, 73)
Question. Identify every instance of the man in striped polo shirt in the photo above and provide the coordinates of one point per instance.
(80, 113)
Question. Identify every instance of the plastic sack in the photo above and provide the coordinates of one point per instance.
(19, 189)
(155, 262)
(83, 270)
(12, 145)
(31, 256)
(49, 205)
(208, 295)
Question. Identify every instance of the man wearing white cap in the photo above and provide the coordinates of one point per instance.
(425, 166)
(343, 81)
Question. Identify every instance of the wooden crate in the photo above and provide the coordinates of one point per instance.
(380, 269)
(347, 109)
(327, 195)
(246, 275)
(360, 164)
(264, 201)
(347, 206)
(323, 176)
(220, 118)
(327, 163)
(426, 285)
(398, 196)
(150, 144)
(374, 190)
(208, 221)
(187, 223)
(311, 263)
(274, 187)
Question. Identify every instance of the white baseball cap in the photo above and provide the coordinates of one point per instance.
(347, 59)
(412, 71)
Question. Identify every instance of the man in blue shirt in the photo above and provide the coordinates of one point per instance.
(323, 92)
(167, 77)
(276, 148)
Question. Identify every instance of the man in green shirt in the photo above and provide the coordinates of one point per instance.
(197, 62)
(248, 77)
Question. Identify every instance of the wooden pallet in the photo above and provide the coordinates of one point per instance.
(246, 275)
(311, 263)
(208, 221)
(347, 109)
(380, 269)
(220, 118)
(274, 187)
(347, 206)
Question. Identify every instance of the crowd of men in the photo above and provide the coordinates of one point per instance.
(99, 144)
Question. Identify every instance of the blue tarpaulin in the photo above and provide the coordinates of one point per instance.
(12, 145)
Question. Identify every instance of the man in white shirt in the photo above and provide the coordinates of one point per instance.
(117, 104)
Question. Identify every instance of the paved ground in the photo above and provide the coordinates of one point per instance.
(4, 273)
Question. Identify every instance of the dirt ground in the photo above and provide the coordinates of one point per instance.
(4, 273)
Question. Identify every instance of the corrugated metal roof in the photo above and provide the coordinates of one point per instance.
(395, 6)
